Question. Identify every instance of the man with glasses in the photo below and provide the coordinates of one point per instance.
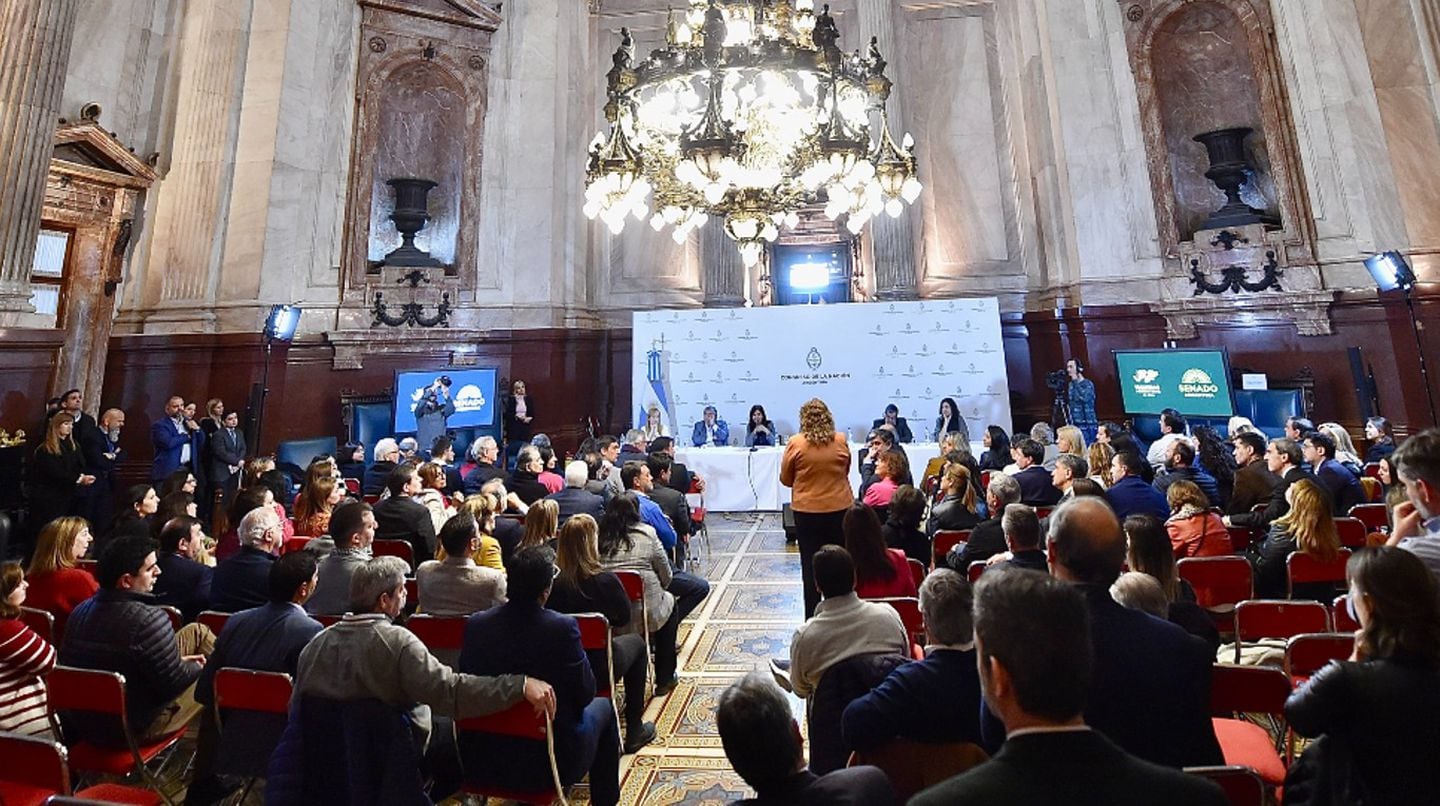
(877, 443)
(387, 456)
(1284, 458)
(243, 581)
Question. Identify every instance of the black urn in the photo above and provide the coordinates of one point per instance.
(1230, 169)
(412, 212)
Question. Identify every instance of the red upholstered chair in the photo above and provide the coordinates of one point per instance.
(1340, 615)
(1043, 512)
(1240, 537)
(1309, 653)
(634, 586)
(1239, 690)
(35, 769)
(519, 722)
(947, 539)
(41, 621)
(1374, 516)
(1277, 618)
(352, 486)
(1220, 584)
(595, 636)
(103, 693)
(256, 692)
(294, 544)
(1242, 785)
(394, 548)
(1371, 470)
(412, 590)
(913, 766)
(213, 619)
(1352, 532)
(1301, 568)
(176, 620)
(917, 570)
(985, 479)
(974, 570)
(909, 609)
(438, 632)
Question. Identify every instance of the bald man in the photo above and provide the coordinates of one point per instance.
(1151, 688)
(101, 448)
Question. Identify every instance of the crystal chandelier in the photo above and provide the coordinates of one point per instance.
(750, 112)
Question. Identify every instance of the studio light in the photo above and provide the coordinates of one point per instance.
(1390, 271)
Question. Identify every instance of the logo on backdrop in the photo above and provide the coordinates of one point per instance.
(748, 336)
(986, 348)
(882, 372)
(469, 398)
(719, 336)
(1145, 385)
(924, 351)
(910, 372)
(734, 358)
(971, 370)
(690, 335)
(954, 349)
(1196, 383)
(748, 377)
(813, 359)
(909, 329)
(876, 331)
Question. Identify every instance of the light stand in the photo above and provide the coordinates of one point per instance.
(279, 326)
(1391, 272)
(1420, 351)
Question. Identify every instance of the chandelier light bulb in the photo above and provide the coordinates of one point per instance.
(714, 192)
(893, 208)
(910, 191)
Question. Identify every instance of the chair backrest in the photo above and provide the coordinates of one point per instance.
(294, 544)
(633, 583)
(328, 621)
(595, 637)
(1352, 532)
(1340, 615)
(946, 539)
(1236, 689)
(173, 613)
(412, 590)
(438, 632)
(1240, 537)
(1242, 785)
(1218, 581)
(33, 762)
(70, 689)
(213, 619)
(975, 569)
(985, 479)
(250, 690)
(917, 570)
(909, 609)
(1302, 568)
(1278, 618)
(912, 766)
(1371, 470)
(41, 621)
(393, 548)
(519, 721)
(1372, 488)
(1308, 653)
(1043, 512)
(352, 486)
(1374, 516)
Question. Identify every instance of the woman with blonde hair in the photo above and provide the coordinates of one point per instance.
(541, 523)
(57, 471)
(1194, 530)
(1099, 457)
(432, 493)
(1345, 452)
(816, 468)
(57, 584)
(317, 501)
(1308, 528)
(956, 508)
(654, 424)
(482, 509)
(25, 658)
(584, 586)
(1070, 439)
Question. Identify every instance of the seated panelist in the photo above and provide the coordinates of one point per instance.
(893, 419)
(711, 430)
(759, 431)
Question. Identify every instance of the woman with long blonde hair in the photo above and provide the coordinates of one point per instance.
(1070, 439)
(57, 472)
(482, 509)
(57, 584)
(956, 508)
(816, 468)
(541, 523)
(1099, 457)
(1308, 528)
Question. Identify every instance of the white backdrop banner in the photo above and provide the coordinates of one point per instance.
(857, 357)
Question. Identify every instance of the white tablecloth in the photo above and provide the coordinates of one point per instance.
(742, 480)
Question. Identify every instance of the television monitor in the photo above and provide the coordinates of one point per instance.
(1194, 382)
(472, 390)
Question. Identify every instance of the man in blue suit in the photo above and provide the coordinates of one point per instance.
(522, 637)
(1343, 486)
(711, 430)
(1129, 494)
(171, 436)
(242, 581)
(184, 582)
(1036, 487)
(1180, 465)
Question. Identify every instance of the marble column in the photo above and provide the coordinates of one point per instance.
(723, 278)
(35, 37)
(892, 239)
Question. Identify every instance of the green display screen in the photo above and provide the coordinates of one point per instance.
(1193, 382)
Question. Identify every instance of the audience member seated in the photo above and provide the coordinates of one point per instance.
(627, 544)
(636, 478)
(184, 581)
(936, 700)
(401, 517)
(25, 658)
(902, 525)
(256, 496)
(484, 452)
(434, 484)
(268, 638)
(844, 625)
(387, 456)
(1022, 537)
(1150, 552)
(442, 453)
(119, 630)
(134, 513)
(1375, 718)
(172, 506)
(634, 448)
(671, 502)
(542, 523)
(316, 503)
(763, 744)
(575, 499)
(482, 509)
(525, 481)
(997, 448)
(1254, 483)
(988, 537)
(523, 637)
(1194, 530)
(1382, 439)
(1283, 458)
(582, 587)
(1172, 430)
(1308, 528)
(1214, 456)
(56, 583)
(1036, 486)
(367, 656)
(880, 572)
(955, 510)
(508, 531)
(1098, 459)
(353, 527)
(243, 581)
(456, 586)
(1128, 493)
(1068, 469)
(351, 462)
(1180, 466)
(1039, 664)
(892, 469)
(1339, 482)
(1150, 692)
(877, 444)
(1345, 452)
(1417, 519)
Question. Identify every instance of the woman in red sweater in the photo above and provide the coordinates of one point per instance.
(880, 572)
(1194, 530)
(57, 584)
(24, 658)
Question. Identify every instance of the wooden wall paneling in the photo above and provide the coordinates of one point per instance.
(27, 363)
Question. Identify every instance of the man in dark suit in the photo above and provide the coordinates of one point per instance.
(401, 517)
(184, 583)
(171, 436)
(1150, 692)
(1023, 537)
(1180, 466)
(442, 452)
(485, 452)
(243, 581)
(522, 637)
(671, 502)
(877, 443)
(681, 477)
(575, 499)
(1284, 458)
(1318, 451)
(763, 743)
(988, 537)
(893, 419)
(1037, 489)
(268, 638)
(1129, 494)
(1254, 483)
(227, 456)
(101, 448)
(1037, 658)
(635, 447)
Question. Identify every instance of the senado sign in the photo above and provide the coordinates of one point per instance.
(1196, 383)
